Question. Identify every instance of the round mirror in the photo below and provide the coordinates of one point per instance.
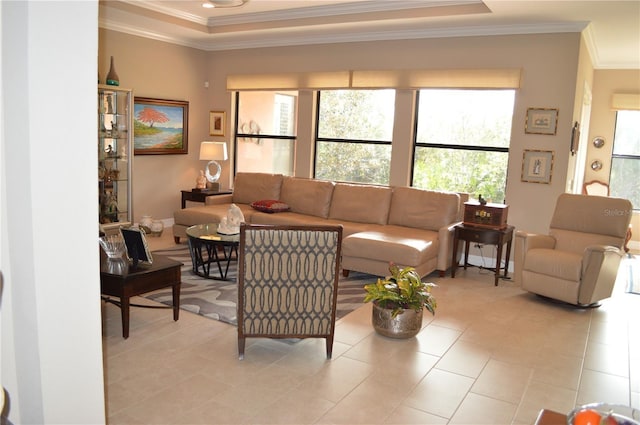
(596, 165)
(598, 142)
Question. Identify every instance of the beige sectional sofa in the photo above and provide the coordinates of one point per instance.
(411, 227)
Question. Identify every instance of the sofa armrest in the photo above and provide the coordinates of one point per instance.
(219, 199)
(525, 241)
(445, 238)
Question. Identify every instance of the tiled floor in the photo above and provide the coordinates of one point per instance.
(491, 355)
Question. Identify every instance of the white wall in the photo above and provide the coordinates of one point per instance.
(51, 326)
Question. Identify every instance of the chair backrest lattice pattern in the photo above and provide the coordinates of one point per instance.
(288, 280)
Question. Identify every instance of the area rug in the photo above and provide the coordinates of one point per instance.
(216, 299)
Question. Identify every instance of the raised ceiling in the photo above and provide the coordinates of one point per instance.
(611, 28)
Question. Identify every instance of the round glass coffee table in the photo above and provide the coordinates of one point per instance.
(208, 247)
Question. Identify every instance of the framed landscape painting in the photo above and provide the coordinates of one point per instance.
(160, 126)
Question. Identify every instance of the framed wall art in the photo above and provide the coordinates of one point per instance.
(160, 126)
(537, 166)
(216, 123)
(541, 121)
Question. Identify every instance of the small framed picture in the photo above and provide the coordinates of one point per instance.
(216, 123)
(541, 121)
(537, 166)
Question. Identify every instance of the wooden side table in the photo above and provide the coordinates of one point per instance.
(119, 279)
(486, 236)
(201, 196)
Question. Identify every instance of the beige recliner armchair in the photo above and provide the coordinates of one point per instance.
(577, 262)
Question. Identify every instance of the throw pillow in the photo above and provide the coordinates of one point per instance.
(269, 206)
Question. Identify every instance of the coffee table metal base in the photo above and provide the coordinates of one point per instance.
(204, 254)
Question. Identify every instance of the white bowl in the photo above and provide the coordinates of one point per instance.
(113, 245)
(622, 415)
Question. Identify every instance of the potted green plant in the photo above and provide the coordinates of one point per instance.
(398, 301)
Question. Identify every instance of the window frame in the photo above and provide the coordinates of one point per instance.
(474, 148)
(237, 135)
(317, 137)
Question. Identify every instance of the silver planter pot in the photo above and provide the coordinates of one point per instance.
(405, 325)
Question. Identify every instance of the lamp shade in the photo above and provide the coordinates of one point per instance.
(213, 151)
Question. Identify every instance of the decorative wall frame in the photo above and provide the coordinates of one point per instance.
(541, 121)
(217, 123)
(537, 166)
(160, 126)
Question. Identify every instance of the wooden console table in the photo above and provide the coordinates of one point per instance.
(482, 235)
(119, 279)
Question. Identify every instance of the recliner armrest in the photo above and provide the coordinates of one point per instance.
(600, 265)
(525, 241)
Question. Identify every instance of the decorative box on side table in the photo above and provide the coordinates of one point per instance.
(491, 216)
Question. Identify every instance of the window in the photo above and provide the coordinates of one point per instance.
(462, 141)
(266, 131)
(353, 141)
(625, 160)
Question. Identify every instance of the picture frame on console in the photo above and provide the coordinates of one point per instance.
(541, 121)
(537, 166)
(160, 126)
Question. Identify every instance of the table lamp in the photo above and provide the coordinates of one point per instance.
(213, 152)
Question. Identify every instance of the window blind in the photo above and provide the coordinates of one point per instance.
(379, 79)
(625, 101)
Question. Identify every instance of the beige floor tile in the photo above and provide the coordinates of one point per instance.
(602, 387)
(404, 415)
(436, 340)
(608, 358)
(503, 381)
(465, 358)
(558, 370)
(539, 395)
(337, 379)
(478, 409)
(439, 393)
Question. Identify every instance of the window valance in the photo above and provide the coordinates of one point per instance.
(625, 101)
(380, 79)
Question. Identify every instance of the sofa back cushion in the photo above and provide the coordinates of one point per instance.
(307, 196)
(250, 187)
(423, 209)
(360, 203)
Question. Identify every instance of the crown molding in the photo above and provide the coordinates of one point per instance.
(333, 10)
(214, 44)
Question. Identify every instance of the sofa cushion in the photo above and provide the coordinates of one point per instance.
(423, 209)
(307, 196)
(269, 206)
(360, 203)
(405, 246)
(249, 187)
(552, 262)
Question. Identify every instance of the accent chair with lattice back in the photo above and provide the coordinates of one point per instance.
(577, 262)
(288, 282)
